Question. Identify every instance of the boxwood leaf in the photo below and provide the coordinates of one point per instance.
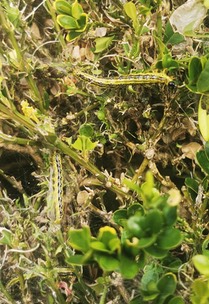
(203, 161)
(63, 7)
(128, 267)
(169, 238)
(107, 262)
(80, 239)
(201, 263)
(167, 284)
(202, 83)
(67, 22)
(77, 10)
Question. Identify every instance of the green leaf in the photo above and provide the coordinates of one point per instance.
(63, 7)
(153, 221)
(194, 70)
(146, 242)
(170, 215)
(135, 226)
(67, 22)
(156, 252)
(14, 15)
(192, 184)
(6, 237)
(120, 217)
(200, 291)
(108, 236)
(103, 43)
(201, 263)
(167, 284)
(176, 300)
(82, 21)
(107, 262)
(72, 35)
(151, 274)
(128, 267)
(84, 143)
(206, 149)
(205, 247)
(86, 130)
(171, 37)
(169, 63)
(203, 117)
(203, 161)
(76, 259)
(80, 239)
(135, 209)
(77, 10)
(202, 82)
(169, 238)
(131, 11)
(132, 186)
(99, 246)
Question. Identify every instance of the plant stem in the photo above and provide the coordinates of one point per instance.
(6, 293)
(104, 294)
(21, 63)
(57, 27)
(89, 167)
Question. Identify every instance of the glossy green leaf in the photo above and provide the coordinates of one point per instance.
(167, 284)
(203, 118)
(200, 291)
(76, 259)
(63, 7)
(192, 184)
(103, 43)
(171, 37)
(206, 149)
(201, 263)
(80, 239)
(202, 82)
(135, 209)
(194, 70)
(82, 21)
(86, 130)
(153, 221)
(203, 161)
(77, 10)
(170, 215)
(147, 241)
(108, 236)
(128, 267)
(176, 300)
(135, 226)
(67, 22)
(107, 262)
(151, 275)
(169, 63)
(99, 246)
(169, 238)
(155, 251)
(72, 35)
(120, 217)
